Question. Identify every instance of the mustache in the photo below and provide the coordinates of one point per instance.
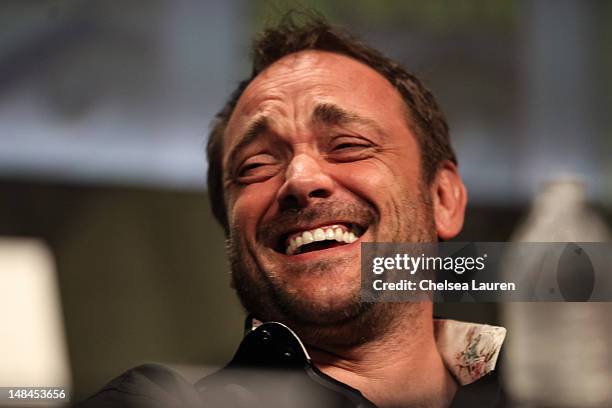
(298, 218)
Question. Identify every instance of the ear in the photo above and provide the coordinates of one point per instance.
(449, 198)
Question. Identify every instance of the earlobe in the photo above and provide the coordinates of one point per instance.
(449, 198)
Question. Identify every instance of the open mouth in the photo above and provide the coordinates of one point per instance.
(323, 237)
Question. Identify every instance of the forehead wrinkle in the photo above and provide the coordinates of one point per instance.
(277, 82)
(253, 102)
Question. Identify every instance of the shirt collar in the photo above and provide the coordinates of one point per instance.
(469, 350)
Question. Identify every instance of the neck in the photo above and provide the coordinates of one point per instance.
(401, 368)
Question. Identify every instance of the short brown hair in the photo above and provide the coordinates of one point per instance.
(424, 116)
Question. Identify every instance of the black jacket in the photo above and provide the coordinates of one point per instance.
(270, 369)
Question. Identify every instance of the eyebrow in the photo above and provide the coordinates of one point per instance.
(333, 115)
(255, 129)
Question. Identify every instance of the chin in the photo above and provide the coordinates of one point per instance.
(325, 312)
(325, 296)
(324, 306)
(354, 325)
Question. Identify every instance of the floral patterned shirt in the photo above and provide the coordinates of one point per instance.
(469, 350)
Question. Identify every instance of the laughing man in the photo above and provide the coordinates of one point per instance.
(326, 145)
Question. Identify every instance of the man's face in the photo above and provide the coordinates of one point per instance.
(318, 157)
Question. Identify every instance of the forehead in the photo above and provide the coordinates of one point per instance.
(303, 79)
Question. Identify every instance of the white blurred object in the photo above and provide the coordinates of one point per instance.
(558, 354)
(33, 348)
(560, 213)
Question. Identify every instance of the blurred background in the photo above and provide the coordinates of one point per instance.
(109, 255)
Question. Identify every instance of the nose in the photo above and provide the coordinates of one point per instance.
(305, 182)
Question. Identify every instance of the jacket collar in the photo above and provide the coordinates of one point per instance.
(469, 350)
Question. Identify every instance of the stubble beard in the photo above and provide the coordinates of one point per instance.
(348, 323)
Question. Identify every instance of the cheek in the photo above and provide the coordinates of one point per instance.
(248, 204)
(376, 180)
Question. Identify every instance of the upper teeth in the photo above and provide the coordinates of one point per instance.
(332, 232)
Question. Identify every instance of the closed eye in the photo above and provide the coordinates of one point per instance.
(350, 148)
(244, 170)
(256, 169)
